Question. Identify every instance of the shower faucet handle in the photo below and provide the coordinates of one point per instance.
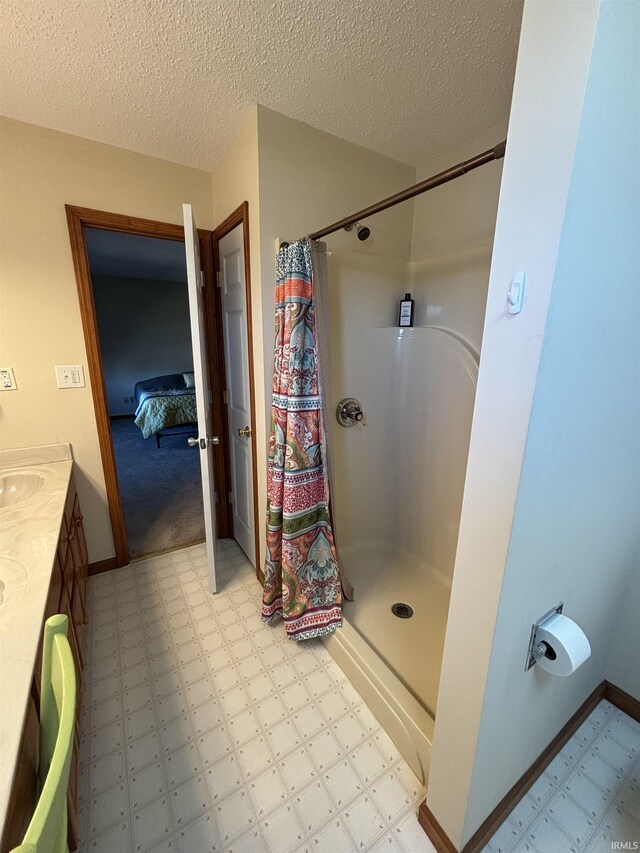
(349, 412)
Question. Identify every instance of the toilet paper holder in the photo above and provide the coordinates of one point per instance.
(538, 649)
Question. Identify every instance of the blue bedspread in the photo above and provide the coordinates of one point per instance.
(170, 383)
(160, 409)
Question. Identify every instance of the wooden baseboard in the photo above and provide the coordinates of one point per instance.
(622, 700)
(436, 834)
(102, 566)
(513, 797)
(483, 834)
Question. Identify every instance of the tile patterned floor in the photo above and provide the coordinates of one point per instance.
(588, 799)
(205, 730)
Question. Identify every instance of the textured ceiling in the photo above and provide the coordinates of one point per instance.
(174, 78)
(133, 256)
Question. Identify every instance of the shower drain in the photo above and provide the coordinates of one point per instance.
(402, 610)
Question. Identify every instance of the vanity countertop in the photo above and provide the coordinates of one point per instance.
(31, 510)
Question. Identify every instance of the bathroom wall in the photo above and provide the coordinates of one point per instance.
(144, 331)
(40, 317)
(553, 60)
(297, 179)
(575, 535)
(453, 228)
(309, 179)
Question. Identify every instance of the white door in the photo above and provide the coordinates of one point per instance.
(236, 358)
(206, 439)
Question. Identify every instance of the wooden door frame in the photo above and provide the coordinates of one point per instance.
(240, 216)
(79, 218)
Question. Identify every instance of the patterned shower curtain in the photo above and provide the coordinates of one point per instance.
(302, 579)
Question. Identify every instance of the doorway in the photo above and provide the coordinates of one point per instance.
(141, 302)
(81, 223)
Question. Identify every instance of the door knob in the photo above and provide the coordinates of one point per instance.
(203, 442)
(245, 433)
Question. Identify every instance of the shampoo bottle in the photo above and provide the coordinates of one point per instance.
(407, 305)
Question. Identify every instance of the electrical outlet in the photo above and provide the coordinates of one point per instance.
(70, 376)
(7, 379)
(126, 399)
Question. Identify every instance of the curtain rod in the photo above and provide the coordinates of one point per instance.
(495, 153)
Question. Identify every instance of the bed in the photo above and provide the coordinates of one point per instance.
(164, 402)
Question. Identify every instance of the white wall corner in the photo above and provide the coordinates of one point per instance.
(553, 60)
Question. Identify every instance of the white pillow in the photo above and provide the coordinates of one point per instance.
(188, 380)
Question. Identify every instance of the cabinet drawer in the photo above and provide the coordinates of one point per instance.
(82, 555)
(78, 618)
(55, 590)
(72, 827)
(69, 565)
(63, 541)
(66, 608)
(51, 607)
(72, 795)
(78, 519)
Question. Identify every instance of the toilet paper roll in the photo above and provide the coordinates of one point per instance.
(568, 646)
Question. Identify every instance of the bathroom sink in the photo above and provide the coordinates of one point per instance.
(15, 488)
(13, 582)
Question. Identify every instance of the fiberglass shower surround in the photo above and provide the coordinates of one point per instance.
(399, 484)
(399, 469)
(398, 487)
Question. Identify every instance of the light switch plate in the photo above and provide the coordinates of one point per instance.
(7, 379)
(70, 376)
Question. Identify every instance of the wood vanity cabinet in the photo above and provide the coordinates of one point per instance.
(24, 789)
(73, 562)
(68, 595)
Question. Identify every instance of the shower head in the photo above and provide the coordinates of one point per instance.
(361, 230)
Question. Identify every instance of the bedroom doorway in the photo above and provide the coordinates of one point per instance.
(114, 362)
(142, 311)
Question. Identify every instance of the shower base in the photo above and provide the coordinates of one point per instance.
(394, 663)
(405, 720)
(412, 648)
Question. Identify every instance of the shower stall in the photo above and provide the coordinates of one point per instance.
(399, 405)
(399, 471)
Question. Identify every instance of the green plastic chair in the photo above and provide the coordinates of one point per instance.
(47, 832)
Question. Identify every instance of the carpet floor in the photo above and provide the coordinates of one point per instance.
(161, 489)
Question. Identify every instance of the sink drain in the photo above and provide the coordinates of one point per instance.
(402, 610)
